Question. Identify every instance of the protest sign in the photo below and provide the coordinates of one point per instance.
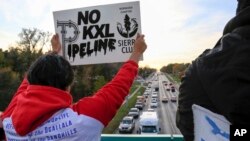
(98, 34)
(209, 126)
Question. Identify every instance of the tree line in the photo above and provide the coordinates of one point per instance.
(175, 69)
(15, 61)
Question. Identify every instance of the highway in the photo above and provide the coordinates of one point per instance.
(166, 111)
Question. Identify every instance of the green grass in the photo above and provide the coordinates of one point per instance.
(123, 111)
(134, 87)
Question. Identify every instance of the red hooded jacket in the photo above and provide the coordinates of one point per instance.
(47, 113)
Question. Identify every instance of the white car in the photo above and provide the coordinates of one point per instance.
(168, 88)
(146, 94)
(164, 99)
(154, 96)
(154, 93)
(134, 112)
(139, 105)
(127, 125)
(151, 110)
(153, 104)
(173, 98)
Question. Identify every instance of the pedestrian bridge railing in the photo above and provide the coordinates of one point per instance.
(126, 137)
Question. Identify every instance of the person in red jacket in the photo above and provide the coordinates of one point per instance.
(42, 107)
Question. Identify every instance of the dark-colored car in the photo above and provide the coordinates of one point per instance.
(172, 89)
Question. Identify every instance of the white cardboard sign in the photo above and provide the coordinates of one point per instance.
(98, 34)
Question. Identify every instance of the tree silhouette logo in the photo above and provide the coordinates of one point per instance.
(130, 27)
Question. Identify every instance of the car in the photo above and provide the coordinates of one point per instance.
(134, 112)
(127, 125)
(154, 99)
(139, 105)
(153, 104)
(173, 98)
(156, 89)
(154, 96)
(164, 99)
(168, 88)
(145, 94)
(151, 110)
(141, 98)
(154, 93)
(172, 89)
(147, 91)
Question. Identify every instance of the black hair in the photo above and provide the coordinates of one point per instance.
(51, 70)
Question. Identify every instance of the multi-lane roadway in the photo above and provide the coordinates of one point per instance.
(166, 111)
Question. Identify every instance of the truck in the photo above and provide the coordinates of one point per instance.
(149, 123)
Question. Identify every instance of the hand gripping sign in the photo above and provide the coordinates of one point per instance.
(98, 34)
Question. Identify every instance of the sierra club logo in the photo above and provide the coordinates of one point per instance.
(127, 30)
(130, 27)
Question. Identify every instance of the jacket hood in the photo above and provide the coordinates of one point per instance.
(242, 4)
(241, 19)
(36, 105)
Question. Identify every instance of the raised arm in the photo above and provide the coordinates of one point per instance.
(104, 104)
(139, 48)
(56, 46)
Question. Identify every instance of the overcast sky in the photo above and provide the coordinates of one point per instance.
(176, 31)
